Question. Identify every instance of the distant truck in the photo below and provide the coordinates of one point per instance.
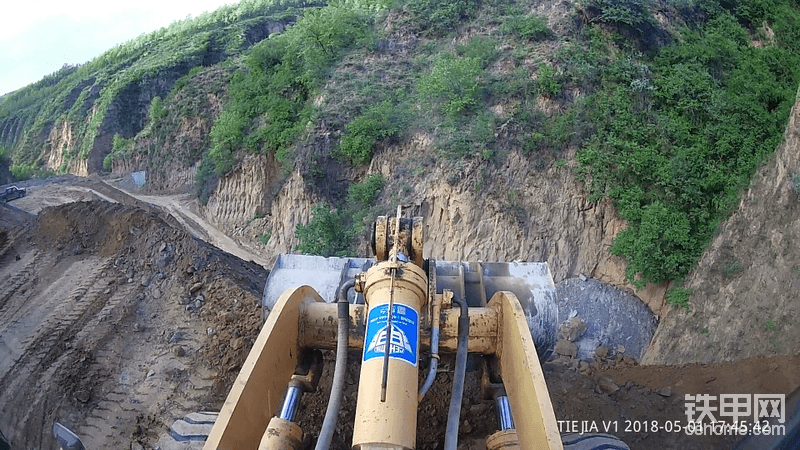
(11, 193)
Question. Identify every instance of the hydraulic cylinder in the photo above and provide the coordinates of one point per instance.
(386, 415)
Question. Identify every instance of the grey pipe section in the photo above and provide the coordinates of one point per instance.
(434, 351)
(434, 365)
(337, 388)
(504, 418)
(454, 414)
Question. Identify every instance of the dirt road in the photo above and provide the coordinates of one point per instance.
(183, 207)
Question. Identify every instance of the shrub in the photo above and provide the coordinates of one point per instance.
(361, 195)
(529, 28)
(546, 82)
(21, 171)
(264, 237)
(332, 232)
(468, 136)
(623, 12)
(5, 161)
(205, 179)
(795, 177)
(325, 234)
(120, 144)
(157, 109)
(439, 17)
(108, 161)
(679, 297)
(481, 48)
(381, 121)
(226, 139)
(453, 84)
(659, 247)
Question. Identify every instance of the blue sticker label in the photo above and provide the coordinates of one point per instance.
(405, 333)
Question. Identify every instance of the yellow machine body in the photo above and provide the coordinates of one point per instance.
(386, 413)
(301, 318)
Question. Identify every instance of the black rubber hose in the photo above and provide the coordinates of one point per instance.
(337, 387)
(454, 414)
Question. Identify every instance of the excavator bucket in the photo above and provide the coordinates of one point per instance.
(476, 282)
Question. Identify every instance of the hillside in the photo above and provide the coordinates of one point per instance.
(609, 138)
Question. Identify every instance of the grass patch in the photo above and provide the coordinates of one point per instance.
(795, 177)
(679, 297)
(529, 28)
(731, 269)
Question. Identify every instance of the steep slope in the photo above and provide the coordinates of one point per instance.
(745, 298)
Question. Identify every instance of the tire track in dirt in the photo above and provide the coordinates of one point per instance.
(15, 279)
(42, 354)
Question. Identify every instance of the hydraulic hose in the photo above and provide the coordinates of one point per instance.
(454, 414)
(435, 307)
(337, 388)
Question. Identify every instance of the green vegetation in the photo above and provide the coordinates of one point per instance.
(669, 123)
(679, 297)
(381, 121)
(157, 110)
(82, 95)
(22, 172)
(622, 12)
(269, 101)
(333, 232)
(439, 17)
(5, 161)
(730, 269)
(674, 157)
(453, 84)
(264, 237)
(529, 28)
(770, 326)
(795, 177)
(120, 148)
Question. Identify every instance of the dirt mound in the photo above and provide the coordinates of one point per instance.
(107, 319)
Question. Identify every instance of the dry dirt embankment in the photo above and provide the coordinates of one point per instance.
(746, 288)
(115, 322)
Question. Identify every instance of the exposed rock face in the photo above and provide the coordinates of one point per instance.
(256, 200)
(745, 298)
(245, 192)
(519, 213)
(60, 141)
(515, 213)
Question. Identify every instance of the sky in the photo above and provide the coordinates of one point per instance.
(39, 36)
